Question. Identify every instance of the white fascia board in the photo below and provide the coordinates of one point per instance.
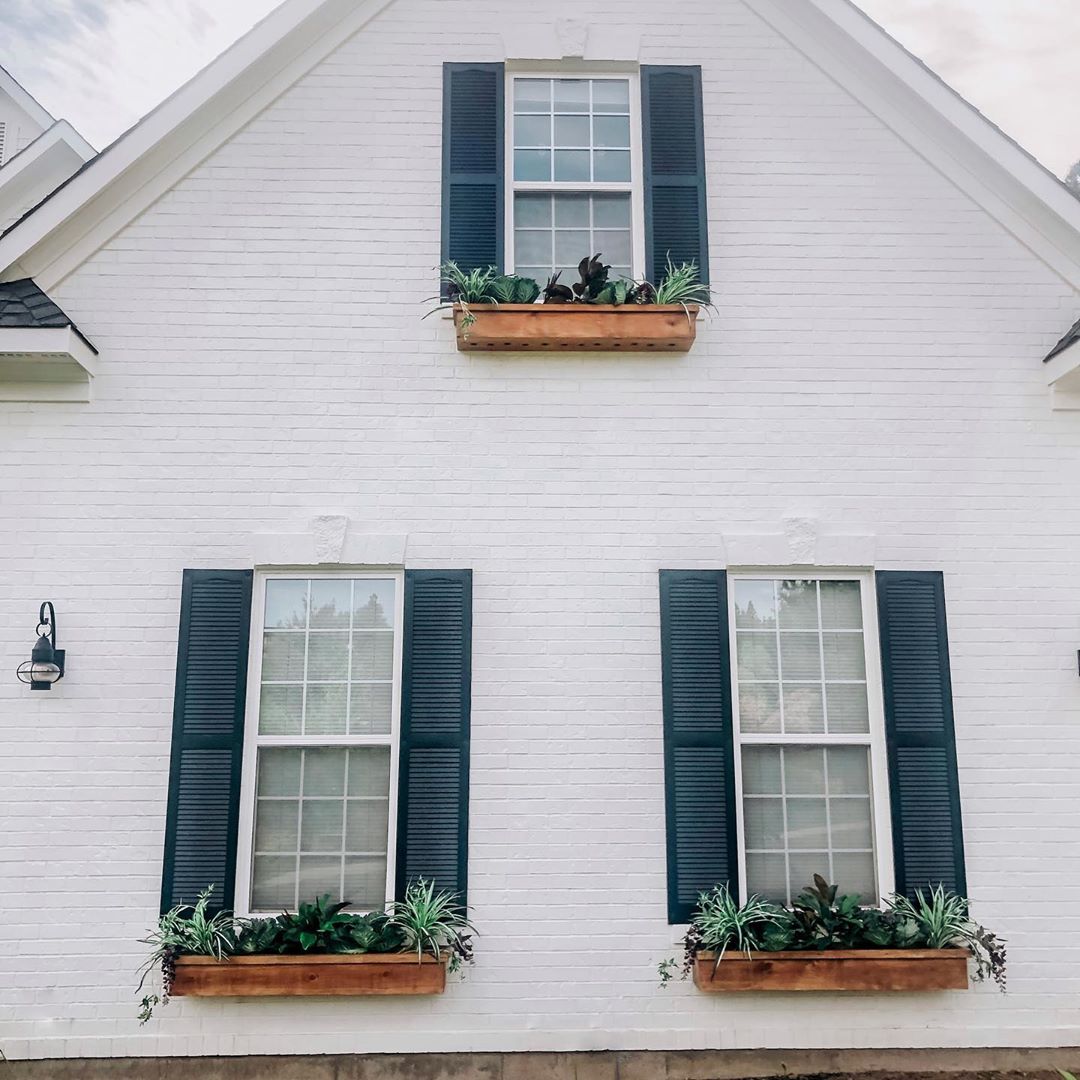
(1063, 370)
(25, 100)
(58, 152)
(948, 132)
(47, 344)
(77, 219)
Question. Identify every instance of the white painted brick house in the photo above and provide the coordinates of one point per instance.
(212, 359)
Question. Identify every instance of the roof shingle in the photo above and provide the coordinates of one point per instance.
(22, 303)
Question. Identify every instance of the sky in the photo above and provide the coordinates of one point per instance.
(102, 64)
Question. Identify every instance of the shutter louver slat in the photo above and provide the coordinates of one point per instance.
(676, 211)
(702, 844)
(433, 800)
(208, 733)
(928, 841)
(472, 225)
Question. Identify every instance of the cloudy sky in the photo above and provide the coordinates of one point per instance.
(104, 63)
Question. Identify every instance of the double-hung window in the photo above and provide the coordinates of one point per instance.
(811, 774)
(574, 155)
(320, 757)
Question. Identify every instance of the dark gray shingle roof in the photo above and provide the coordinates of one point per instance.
(22, 303)
(1071, 338)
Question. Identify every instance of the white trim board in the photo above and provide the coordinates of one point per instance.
(25, 100)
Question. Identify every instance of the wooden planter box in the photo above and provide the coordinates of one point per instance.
(308, 976)
(577, 328)
(839, 969)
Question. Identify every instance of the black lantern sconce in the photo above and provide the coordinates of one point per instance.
(46, 663)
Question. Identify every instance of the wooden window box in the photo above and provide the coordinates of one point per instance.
(577, 328)
(308, 976)
(839, 969)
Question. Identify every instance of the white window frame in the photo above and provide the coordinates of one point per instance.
(874, 740)
(635, 186)
(253, 741)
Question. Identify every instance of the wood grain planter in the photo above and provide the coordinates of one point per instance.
(577, 328)
(308, 976)
(857, 969)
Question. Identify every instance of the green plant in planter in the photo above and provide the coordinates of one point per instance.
(483, 286)
(432, 922)
(822, 918)
(682, 284)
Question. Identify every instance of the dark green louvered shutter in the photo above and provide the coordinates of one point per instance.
(433, 773)
(676, 213)
(928, 841)
(472, 210)
(208, 737)
(702, 842)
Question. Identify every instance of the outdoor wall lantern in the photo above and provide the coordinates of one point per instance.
(46, 663)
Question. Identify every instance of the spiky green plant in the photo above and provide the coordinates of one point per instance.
(722, 923)
(944, 921)
(184, 930)
(433, 922)
(682, 284)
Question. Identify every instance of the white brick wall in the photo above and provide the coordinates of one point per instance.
(874, 361)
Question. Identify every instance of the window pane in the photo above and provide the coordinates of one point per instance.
(802, 866)
(849, 770)
(571, 247)
(532, 247)
(755, 605)
(330, 603)
(328, 656)
(571, 95)
(278, 771)
(845, 657)
(572, 131)
(614, 245)
(759, 708)
(841, 605)
(366, 825)
(764, 821)
(757, 656)
(611, 95)
(854, 873)
(324, 772)
(804, 770)
(365, 882)
(532, 95)
(806, 824)
(283, 657)
(273, 884)
(326, 709)
(800, 655)
(539, 274)
(281, 710)
(319, 875)
(798, 605)
(532, 164)
(761, 770)
(276, 825)
(572, 211)
(611, 131)
(611, 211)
(532, 130)
(373, 655)
(532, 211)
(570, 165)
(611, 166)
(320, 825)
(766, 876)
(286, 604)
(374, 604)
(370, 709)
(804, 712)
(848, 710)
(369, 771)
(850, 823)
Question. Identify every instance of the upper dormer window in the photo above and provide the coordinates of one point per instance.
(576, 167)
